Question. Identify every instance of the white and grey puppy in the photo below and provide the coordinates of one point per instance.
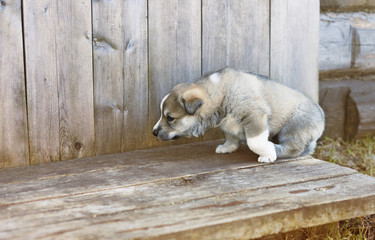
(246, 107)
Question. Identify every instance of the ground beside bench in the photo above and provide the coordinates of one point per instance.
(180, 192)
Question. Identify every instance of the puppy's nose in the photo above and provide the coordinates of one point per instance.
(155, 132)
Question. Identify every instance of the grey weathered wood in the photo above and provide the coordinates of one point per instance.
(295, 44)
(347, 45)
(360, 108)
(335, 42)
(59, 79)
(65, 185)
(203, 195)
(236, 34)
(334, 102)
(134, 68)
(120, 71)
(215, 36)
(215, 40)
(174, 49)
(13, 118)
(249, 36)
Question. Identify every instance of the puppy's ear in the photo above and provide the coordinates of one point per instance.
(192, 99)
(192, 106)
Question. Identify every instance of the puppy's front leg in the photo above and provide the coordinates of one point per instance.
(231, 144)
(258, 142)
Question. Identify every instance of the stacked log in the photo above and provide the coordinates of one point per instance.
(349, 106)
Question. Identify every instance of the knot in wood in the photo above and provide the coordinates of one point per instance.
(77, 146)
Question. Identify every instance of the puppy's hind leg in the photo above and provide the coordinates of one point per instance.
(300, 133)
(310, 148)
(231, 144)
(257, 135)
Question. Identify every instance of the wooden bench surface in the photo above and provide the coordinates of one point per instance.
(179, 192)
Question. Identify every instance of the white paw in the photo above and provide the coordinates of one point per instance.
(226, 148)
(266, 159)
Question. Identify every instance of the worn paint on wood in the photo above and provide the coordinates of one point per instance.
(195, 194)
(59, 79)
(13, 118)
(293, 36)
(120, 71)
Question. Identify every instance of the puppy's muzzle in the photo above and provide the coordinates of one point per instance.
(155, 132)
(165, 136)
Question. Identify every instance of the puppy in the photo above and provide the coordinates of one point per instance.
(274, 120)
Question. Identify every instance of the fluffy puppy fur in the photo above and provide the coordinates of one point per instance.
(274, 120)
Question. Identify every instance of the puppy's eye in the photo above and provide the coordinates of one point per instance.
(170, 119)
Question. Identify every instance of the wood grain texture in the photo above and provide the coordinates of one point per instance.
(174, 49)
(59, 79)
(360, 109)
(249, 36)
(120, 71)
(13, 117)
(98, 95)
(235, 34)
(215, 36)
(295, 44)
(334, 102)
(150, 194)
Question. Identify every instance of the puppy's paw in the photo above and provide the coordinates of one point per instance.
(266, 159)
(226, 148)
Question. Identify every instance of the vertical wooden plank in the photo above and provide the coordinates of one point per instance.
(295, 44)
(136, 134)
(13, 117)
(249, 35)
(174, 48)
(236, 34)
(215, 37)
(121, 79)
(59, 74)
(215, 43)
(41, 77)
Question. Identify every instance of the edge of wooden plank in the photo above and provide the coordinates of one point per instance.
(14, 148)
(280, 222)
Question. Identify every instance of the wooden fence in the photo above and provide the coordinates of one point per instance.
(84, 78)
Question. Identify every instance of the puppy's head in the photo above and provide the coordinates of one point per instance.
(182, 111)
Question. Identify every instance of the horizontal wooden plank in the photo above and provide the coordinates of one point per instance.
(106, 162)
(192, 193)
(93, 181)
(283, 208)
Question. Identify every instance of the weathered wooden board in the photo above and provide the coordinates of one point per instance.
(215, 36)
(295, 44)
(120, 71)
(249, 36)
(174, 49)
(334, 102)
(346, 44)
(59, 76)
(192, 194)
(360, 107)
(14, 149)
(235, 34)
